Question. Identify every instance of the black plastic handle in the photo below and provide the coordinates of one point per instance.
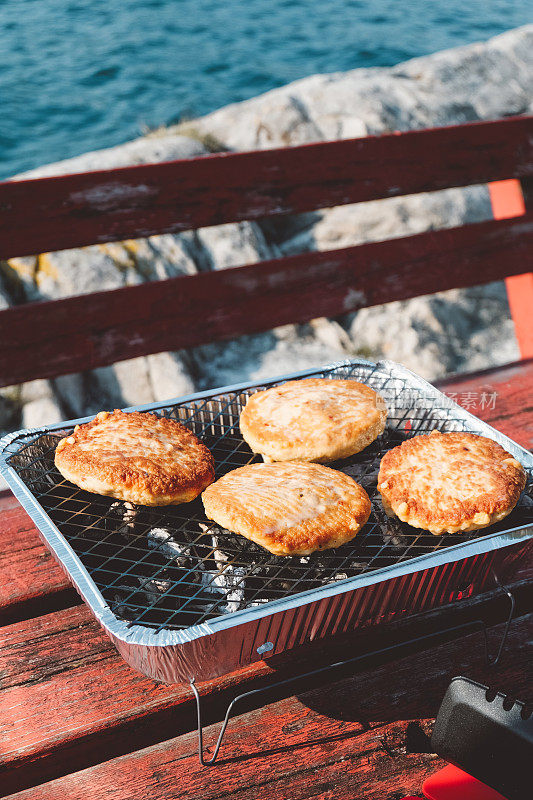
(488, 735)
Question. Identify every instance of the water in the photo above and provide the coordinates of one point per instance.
(86, 74)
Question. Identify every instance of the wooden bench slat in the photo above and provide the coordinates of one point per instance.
(502, 397)
(67, 698)
(63, 686)
(31, 582)
(74, 210)
(53, 338)
(318, 742)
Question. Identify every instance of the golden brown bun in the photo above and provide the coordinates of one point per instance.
(288, 508)
(136, 456)
(450, 482)
(314, 419)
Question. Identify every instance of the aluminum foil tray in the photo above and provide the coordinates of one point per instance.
(183, 599)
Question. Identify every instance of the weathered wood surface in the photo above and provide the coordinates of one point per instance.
(53, 338)
(502, 397)
(73, 210)
(31, 582)
(69, 703)
(319, 744)
(83, 704)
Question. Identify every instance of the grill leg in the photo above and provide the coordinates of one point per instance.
(493, 661)
(436, 637)
(211, 761)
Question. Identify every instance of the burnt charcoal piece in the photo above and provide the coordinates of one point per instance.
(171, 581)
(126, 515)
(251, 576)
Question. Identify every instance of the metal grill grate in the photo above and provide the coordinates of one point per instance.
(170, 568)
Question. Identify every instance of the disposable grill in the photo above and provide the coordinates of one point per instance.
(175, 591)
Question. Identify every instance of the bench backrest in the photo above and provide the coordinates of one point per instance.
(51, 338)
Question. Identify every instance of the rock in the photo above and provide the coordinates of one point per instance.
(165, 256)
(233, 245)
(459, 330)
(39, 404)
(80, 271)
(390, 218)
(145, 150)
(169, 376)
(266, 355)
(72, 393)
(127, 383)
(17, 279)
(38, 413)
(137, 381)
(34, 390)
(106, 266)
(478, 81)
(275, 119)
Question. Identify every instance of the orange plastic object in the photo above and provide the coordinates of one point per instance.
(452, 783)
(507, 201)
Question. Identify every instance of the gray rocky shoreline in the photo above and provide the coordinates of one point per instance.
(452, 331)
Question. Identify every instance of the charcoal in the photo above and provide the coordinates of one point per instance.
(125, 514)
(250, 576)
(182, 555)
(153, 588)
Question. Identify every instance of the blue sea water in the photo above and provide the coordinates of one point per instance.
(76, 75)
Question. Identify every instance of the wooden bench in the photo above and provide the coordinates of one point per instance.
(75, 720)
(53, 338)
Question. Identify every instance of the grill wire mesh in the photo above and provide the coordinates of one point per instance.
(169, 567)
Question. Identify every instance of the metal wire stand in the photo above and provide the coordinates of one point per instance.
(493, 662)
(426, 638)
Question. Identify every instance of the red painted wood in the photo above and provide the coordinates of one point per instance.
(62, 682)
(31, 582)
(82, 704)
(451, 783)
(502, 397)
(507, 201)
(74, 210)
(349, 741)
(53, 338)
(520, 295)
